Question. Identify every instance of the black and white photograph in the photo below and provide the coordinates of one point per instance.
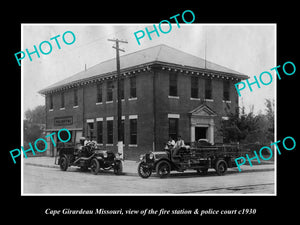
(127, 111)
(161, 109)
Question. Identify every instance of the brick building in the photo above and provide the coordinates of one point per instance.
(165, 92)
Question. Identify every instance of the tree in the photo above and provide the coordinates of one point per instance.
(33, 123)
(239, 127)
(248, 127)
(36, 115)
(270, 119)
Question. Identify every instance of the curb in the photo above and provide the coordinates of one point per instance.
(130, 173)
(42, 165)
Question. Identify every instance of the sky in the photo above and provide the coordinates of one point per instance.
(247, 48)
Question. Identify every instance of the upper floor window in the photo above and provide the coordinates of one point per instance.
(173, 84)
(226, 90)
(51, 102)
(109, 91)
(208, 89)
(99, 92)
(194, 87)
(132, 87)
(62, 100)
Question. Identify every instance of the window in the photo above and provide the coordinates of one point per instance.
(51, 102)
(99, 92)
(90, 126)
(132, 87)
(100, 132)
(62, 100)
(208, 89)
(109, 93)
(173, 128)
(194, 87)
(75, 97)
(133, 131)
(110, 131)
(226, 86)
(173, 84)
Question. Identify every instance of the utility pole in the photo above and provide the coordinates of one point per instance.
(119, 108)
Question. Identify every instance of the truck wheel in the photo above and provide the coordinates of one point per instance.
(118, 168)
(63, 163)
(163, 169)
(221, 167)
(144, 171)
(95, 166)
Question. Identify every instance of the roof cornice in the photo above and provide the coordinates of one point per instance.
(207, 73)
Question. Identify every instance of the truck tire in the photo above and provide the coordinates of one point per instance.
(64, 163)
(221, 167)
(163, 169)
(95, 166)
(144, 171)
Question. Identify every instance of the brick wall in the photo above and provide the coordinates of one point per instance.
(143, 107)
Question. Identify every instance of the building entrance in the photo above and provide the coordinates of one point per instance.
(202, 124)
(200, 133)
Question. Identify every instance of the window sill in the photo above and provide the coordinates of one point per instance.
(174, 97)
(98, 103)
(108, 102)
(109, 145)
(226, 101)
(208, 100)
(62, 108)
(51, 110)
(132, 99)
(75, 106)
(198, 99)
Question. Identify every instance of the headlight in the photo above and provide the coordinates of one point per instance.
(151, 156)
(105, 154)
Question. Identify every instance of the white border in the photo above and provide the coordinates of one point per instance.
(109, 118)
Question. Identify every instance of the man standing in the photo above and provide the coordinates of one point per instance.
(178, 145)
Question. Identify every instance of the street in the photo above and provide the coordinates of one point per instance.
(258, 179)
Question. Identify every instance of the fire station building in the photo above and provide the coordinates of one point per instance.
(165, 92)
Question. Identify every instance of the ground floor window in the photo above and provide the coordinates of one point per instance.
(133, 131)
(100, 132)
(173, 128)
(90, 129)
(110, 131)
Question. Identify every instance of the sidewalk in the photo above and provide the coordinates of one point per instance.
(129, 166)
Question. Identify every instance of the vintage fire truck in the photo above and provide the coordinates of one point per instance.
(199, 156)
(87, 157)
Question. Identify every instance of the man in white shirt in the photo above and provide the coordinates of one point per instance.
(179, 144)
